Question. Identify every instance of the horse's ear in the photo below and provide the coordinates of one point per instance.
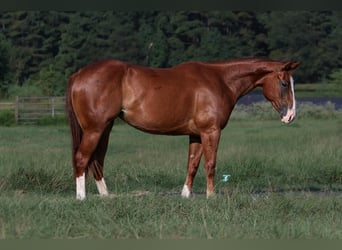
(289, 66)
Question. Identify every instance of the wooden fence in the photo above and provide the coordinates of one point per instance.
(7, 106)
(31, 109)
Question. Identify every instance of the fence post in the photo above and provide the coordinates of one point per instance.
(53, 107)
(16, 113)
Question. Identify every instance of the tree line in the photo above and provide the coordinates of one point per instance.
(40, 49)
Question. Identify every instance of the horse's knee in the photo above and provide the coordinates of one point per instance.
(80, 164)
(210, 168)
(192, 170)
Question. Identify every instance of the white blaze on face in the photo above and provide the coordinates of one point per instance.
(102, 187)
(291, 112)
(80, 187)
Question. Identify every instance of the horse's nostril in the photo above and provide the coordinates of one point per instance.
(283, 112)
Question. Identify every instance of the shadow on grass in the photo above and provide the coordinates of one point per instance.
(53, 182)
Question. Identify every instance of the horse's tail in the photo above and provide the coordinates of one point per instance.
(76, 131)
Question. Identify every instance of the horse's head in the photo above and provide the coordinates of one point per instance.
(278, 88)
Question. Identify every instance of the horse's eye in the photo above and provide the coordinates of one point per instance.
(284, 84)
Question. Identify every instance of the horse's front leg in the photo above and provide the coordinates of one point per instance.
(210, 140)
(194, 158)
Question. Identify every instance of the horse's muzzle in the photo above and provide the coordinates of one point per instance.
(287, 115)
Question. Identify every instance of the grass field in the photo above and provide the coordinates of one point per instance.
(286, 182)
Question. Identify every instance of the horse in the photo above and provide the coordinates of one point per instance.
(192, 98)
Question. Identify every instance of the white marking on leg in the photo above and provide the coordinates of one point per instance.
(291, 112)
(210, 194)
(186, 192)
(80, 187)
(102, 187)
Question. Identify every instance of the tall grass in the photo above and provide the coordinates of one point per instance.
(152, 216)
(285, 182)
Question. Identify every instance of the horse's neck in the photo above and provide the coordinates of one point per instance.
(243, 80)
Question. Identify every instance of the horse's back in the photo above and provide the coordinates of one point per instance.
(102, 70)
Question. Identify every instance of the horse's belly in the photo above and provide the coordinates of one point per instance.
(161, 110)
(162, 123)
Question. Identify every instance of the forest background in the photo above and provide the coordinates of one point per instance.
(40, 49)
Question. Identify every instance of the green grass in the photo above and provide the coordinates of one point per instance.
(276, 172)
(154, 216)
(319, 90)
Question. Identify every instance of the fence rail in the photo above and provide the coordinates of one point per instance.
(31, 109)
(7, 106)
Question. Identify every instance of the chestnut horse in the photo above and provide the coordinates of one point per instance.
(193, 98)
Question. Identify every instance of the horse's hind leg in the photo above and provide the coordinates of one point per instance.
(210, 140)
(97, 161)
(88, 144)
(194, 158)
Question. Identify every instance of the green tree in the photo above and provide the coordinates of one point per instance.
(34, 36)
(41, 49)
(307, 36)
(231, 35)
(5, 49)
(49, 81)
(336, 77)
(213, 35)
(153, 39)
(4, 55)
